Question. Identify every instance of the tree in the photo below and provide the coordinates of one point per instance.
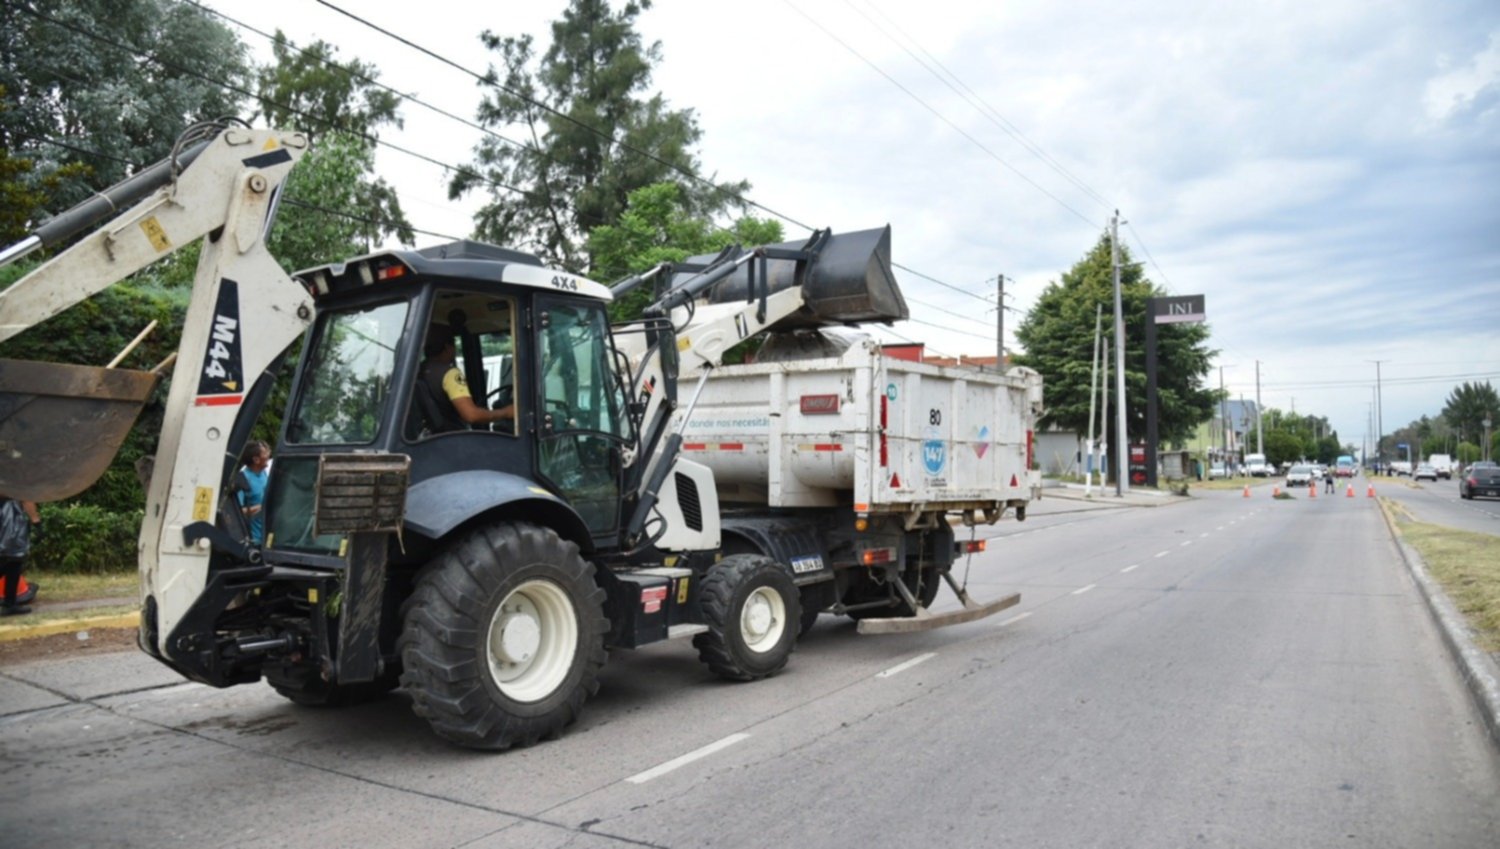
(1467, 408)
(657, 227)
(341, 107)
(97, 88)
(591, 136)
(1058, 337)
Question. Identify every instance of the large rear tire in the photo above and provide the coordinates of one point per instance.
(503, 638)
(752, 609)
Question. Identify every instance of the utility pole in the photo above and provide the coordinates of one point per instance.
(1088, 481)
(1000, 327)
(1260, 443)
(1122, 442)
(1224, 420)
(1379, 410)
(1104, 414)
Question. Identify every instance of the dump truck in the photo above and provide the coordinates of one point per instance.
(636, 488)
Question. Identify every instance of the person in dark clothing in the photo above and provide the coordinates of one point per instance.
(1328, 479)
(446, 386)
(17, 518)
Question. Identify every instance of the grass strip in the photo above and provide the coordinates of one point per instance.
(1466, 564)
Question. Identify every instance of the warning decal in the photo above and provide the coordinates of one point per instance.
(222, 380)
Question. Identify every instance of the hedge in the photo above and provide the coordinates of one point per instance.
(85, 539)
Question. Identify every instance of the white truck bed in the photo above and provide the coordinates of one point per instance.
(862, 429)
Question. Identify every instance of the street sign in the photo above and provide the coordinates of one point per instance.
(1179, 309)
(1401, 445)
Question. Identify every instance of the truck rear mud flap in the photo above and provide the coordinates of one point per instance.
(926, 620)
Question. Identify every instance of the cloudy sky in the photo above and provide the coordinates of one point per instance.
(1326, 174)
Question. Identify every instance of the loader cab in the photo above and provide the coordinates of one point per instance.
(396, 333)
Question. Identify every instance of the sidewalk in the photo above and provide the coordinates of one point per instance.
(1106, 497)
(49, 618)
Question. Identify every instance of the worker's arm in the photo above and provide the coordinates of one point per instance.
(475, 414)
(31, 512)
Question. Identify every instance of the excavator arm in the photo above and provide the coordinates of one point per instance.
(243, 313)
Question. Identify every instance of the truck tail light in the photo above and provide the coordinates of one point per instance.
(1030, 448)
(873, 556)
(973, 546)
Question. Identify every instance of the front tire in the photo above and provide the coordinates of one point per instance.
(753, 610)
(503, 638)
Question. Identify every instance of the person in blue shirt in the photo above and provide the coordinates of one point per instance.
(257, 460)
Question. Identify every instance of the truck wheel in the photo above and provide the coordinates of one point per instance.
(303, 685)
(752, 610)
(503, 638)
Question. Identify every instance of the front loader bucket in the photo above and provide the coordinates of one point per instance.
(61, 425)
(848, 282)
(926, 620)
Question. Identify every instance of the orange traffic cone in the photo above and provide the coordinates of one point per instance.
(1312, 489)
(1350, 493)
(1370, 492)
(1247, 490)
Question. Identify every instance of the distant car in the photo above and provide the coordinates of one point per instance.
(1217, 470)
(1425, 472)
(1480, 480)
(1299, 475)
(1443, 464)
(1319, 471)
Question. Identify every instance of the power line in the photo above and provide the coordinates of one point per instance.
(982, 106)
(939, 115)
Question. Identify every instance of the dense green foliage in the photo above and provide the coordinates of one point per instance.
(658, 227)
(86, 538)
(95, 87)
(592, 136)
(341, 107)
(1468, 406)
(1058, 335)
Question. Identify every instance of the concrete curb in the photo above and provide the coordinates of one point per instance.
(1480, 672)
(9, 633)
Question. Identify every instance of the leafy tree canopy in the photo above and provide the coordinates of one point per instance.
(335, 202)
(1058, 335)
(95, 88)
(657, 227)
(591, 136)
(1468, 406)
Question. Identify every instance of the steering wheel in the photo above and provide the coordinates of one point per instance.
(502, 397)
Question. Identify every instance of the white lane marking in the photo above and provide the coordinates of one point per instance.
(1163, 553)
(1219, 528)
(1186, 543)
(1130, 568)
(663, 769)
(1203, 535)
(1014, 619)
(1082, 590)
(902, 667)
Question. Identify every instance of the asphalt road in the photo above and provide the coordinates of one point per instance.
(1438, 503)
(1217, 672)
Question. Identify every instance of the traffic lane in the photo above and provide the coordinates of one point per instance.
(1439, 504)
(85, 775)
(1249, 694)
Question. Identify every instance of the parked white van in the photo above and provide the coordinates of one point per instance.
(1256, 467)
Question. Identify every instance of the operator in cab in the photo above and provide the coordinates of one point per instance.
(444, 382)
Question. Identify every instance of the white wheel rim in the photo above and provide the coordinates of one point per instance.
(532, 640)
(762, 619)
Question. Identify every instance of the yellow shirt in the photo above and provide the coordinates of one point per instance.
(454, 385)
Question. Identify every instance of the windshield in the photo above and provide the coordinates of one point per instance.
(347, 377)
